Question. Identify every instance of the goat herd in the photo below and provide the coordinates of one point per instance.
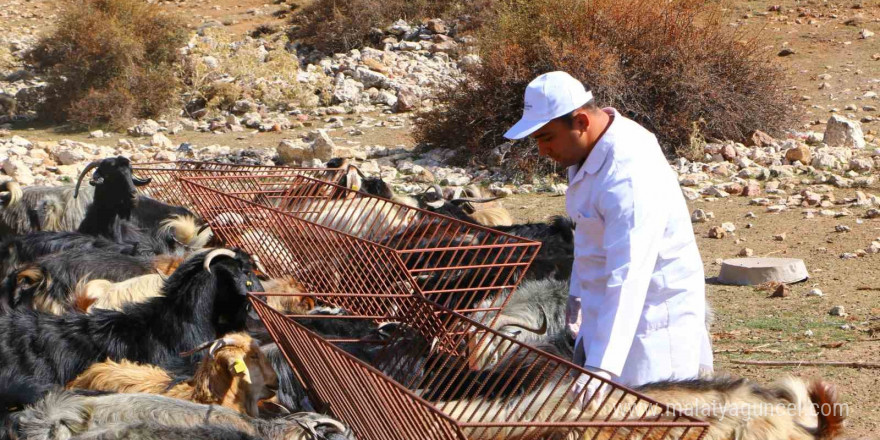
(120, 322)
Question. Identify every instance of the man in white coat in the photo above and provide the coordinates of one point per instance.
(637, 281)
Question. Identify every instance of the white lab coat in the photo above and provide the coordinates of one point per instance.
(637, 270)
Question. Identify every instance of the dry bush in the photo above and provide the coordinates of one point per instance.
(108, 61)
(339, 26)
(243, 70)
(664, 64)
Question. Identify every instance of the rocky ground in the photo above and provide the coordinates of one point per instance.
(810, 194)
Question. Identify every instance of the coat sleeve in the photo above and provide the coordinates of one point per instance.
(635, 221)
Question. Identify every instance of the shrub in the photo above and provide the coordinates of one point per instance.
(339, 26)
(108, 61)
(244, 69)
(664, 64)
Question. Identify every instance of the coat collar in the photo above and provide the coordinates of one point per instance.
(597, 156)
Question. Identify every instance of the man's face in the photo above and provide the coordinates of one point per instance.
(567, 145)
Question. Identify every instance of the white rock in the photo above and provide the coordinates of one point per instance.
(324, 148)
(815, 292)
(699, 216)
(148, 127)
(713, 191)
(842, 132)
(837, 311)
(20, 172)
(808, 333)
(292, 151)
(96, 134)
(861, 164)
(728, 226)
(211, 62)
(69, 156)
(161, 141)
(19, 141)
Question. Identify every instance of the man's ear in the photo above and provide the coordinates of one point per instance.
(581, 121)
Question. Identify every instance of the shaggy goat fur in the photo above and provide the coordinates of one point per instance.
(28, 248)
(107, 295)
(733, 408)
(534, 305)
(197, 305)
(48, 284)
(63, 415)
(154, 431)
(236, 374)
(42, 208)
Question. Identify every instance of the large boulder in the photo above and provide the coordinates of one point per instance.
(293, 151)
(800, 153)
(19, 171)
(842, 132)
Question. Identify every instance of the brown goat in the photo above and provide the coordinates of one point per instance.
(235, 374)
(290, 303)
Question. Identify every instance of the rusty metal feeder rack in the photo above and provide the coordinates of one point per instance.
(165, 185)
(444, 373)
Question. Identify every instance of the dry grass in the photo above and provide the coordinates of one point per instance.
(108, 61)
(664, 64)
(339, 26)
(244, 71)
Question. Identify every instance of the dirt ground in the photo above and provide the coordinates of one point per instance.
(749, 325)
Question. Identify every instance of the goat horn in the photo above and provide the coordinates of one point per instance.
(89, 167)
(473, 200)
(197, 349)
(360, 173)
(217, 345)
(436, 204)
(141, 182)
(259, 264)
(437, 189)
(516, 321)
(216, 253)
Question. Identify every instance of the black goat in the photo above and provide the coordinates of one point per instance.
(28, 248)
(116, 199)
(48, 284)
(556, 256)
(203, 299)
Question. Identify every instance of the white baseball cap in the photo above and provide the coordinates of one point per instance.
(548, 97)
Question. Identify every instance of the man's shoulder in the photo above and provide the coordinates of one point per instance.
(631, 145)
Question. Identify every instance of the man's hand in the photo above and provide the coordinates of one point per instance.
(573, 316)
(586, 387)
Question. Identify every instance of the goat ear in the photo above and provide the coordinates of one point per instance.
(237, 366)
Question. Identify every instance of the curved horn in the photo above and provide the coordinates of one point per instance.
(215, 253)
(461, 200)
(259, 264)
(89, 167)
(202, 229)
(197, 349)
(217, 345)
(141, 182)
(360, 173)
(437, 190)
(516, 321)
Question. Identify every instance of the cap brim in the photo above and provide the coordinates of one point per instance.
(524, 128)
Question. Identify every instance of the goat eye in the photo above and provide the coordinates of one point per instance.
(515, 333)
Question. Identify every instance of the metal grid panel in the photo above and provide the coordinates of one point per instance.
(412, 389)
(165, 185)
(335, 240)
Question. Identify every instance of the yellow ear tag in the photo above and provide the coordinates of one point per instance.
(248, 283)
(239, 366)
(356, 187)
